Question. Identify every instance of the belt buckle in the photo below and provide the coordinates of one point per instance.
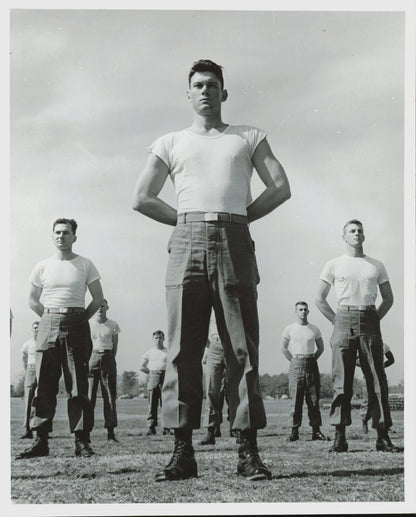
(63, 310)
(211, 216)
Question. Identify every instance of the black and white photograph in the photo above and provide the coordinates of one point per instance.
(211, 229)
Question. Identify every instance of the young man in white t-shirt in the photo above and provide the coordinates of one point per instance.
(212, 262)
(356, 279)
(29, 364)
(154, 365)
(58, 286)
(103, 366)
(302, 345)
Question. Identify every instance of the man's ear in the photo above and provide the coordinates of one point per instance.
(188, 94)
(224, 95)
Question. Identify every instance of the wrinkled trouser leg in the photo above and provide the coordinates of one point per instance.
(212, 265)
(297, 389)
(215, 369)
(313, 386)
(30, 387)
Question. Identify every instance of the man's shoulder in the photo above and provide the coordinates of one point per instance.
(111, 323)
(373, 261)
(314, 328)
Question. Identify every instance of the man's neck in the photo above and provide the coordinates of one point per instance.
(355, 252)
(65, 255)
(101, 318)
(208, 124)
(302, 322)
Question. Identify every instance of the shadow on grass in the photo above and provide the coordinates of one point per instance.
(344, 473)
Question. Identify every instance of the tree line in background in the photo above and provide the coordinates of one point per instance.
(273, 386)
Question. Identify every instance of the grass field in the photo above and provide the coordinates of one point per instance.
(303, 471)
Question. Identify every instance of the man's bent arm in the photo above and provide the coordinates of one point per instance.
(143, 367)
(114, 339)
(284, 348)
(387, 296)
(390, 359)
(321, 302)
(147, 189)
(272, 174)
(319, 347)
(96, 292)
(34, 297)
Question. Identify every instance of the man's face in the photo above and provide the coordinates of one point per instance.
(102, 311)
(302, 312)
(354, 235)
(62, 237)
(35, 329)
(158, 340)
(205, 93)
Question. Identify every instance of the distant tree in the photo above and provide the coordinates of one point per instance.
(129, 383)
(18, 388)
(274, 385)
(326, 386)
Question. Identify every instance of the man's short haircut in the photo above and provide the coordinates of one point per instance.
(301, 303)
(206, 65)
(158, 332)
(351, 221)
(64, 220)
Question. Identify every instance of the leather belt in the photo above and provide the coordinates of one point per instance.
(210, 217)
(302, 356)
(65, 310)
(101, 351)
(356, 307)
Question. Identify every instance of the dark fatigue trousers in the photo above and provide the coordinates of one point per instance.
(358, 330)
(304, 383)
(103, 372)
(154, 395)
(212, 265)
(216, 385)
(67, 348)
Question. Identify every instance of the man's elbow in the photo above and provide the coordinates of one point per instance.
(141, 201)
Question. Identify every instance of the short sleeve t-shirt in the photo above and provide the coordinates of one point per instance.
(301, 338)
(64, 282)
(355, 279)
(102, 334)
(29, 349)
(211, 173)
(156, 359)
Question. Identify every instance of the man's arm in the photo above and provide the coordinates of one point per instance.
(321, 303)
(34, 297)
(387, 296)
(96, 292)
(272, 174)
(319, 347)
(114, 339)
(24, 358)
(390, 359)
(284, 346)
(147, 189)
(143, 367)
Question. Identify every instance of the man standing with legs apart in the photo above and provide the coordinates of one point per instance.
(64, 342)
(154, 365)
(103, 367)
(29, 363)
(212, 263)
(355, 278)
(302, 345)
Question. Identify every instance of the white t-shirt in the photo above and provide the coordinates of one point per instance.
(210, 173)
(301, 338)
(64, 282)
(355, 279)
(156, 359)
(29, 349)
(102, 334)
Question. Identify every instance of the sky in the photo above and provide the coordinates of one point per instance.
(91, 89)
